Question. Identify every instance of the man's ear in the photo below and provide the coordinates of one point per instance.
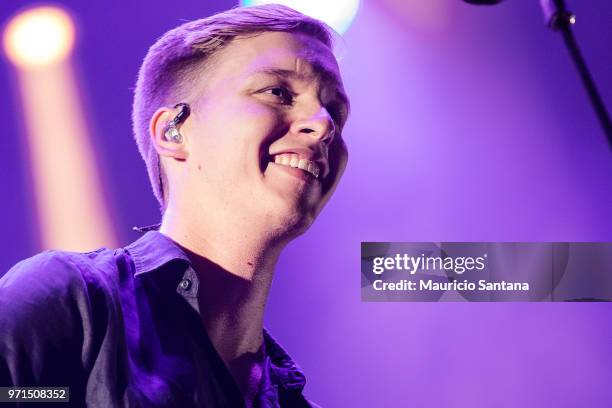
(158, 129)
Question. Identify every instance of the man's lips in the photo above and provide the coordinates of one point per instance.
(292, 160)
(295, 172)
(303, 158)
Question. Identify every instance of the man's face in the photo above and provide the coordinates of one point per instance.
(267, 101)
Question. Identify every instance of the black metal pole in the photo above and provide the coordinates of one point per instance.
(560, 19)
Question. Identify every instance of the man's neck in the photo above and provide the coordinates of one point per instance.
(235, 266)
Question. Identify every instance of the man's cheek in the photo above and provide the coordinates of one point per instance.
(338, 159)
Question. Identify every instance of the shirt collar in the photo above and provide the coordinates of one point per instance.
(154, 250)
(283, 367)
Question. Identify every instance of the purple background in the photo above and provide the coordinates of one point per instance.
(472, 128)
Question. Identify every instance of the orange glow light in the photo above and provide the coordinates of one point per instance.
(39, 37)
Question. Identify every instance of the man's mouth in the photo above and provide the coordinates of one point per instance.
(295, 161)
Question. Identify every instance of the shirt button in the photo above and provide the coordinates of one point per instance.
(185, 284)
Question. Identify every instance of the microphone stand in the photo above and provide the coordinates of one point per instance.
(558, 18)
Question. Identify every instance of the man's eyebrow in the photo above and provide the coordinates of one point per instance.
(283, 73)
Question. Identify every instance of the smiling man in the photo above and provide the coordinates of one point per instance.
(238, 118)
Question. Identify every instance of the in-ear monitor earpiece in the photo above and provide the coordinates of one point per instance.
(171, 131)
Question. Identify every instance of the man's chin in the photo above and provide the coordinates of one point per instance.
(291, 223)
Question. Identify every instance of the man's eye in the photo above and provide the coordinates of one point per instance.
(281, 93)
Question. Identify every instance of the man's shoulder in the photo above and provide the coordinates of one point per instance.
(52, 309)
(58, 274)
(59, 266)
(57, 294)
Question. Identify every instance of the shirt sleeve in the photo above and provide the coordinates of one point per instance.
(42, 300)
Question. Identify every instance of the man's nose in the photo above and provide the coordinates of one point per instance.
(319, 125)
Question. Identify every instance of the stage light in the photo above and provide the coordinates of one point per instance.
(70, 203)
(339, 14)
(39, 37)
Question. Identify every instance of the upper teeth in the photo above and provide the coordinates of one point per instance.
(293, 160)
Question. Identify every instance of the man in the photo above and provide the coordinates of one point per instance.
(238, 118)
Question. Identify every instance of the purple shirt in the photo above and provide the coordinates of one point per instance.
(122, 328)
